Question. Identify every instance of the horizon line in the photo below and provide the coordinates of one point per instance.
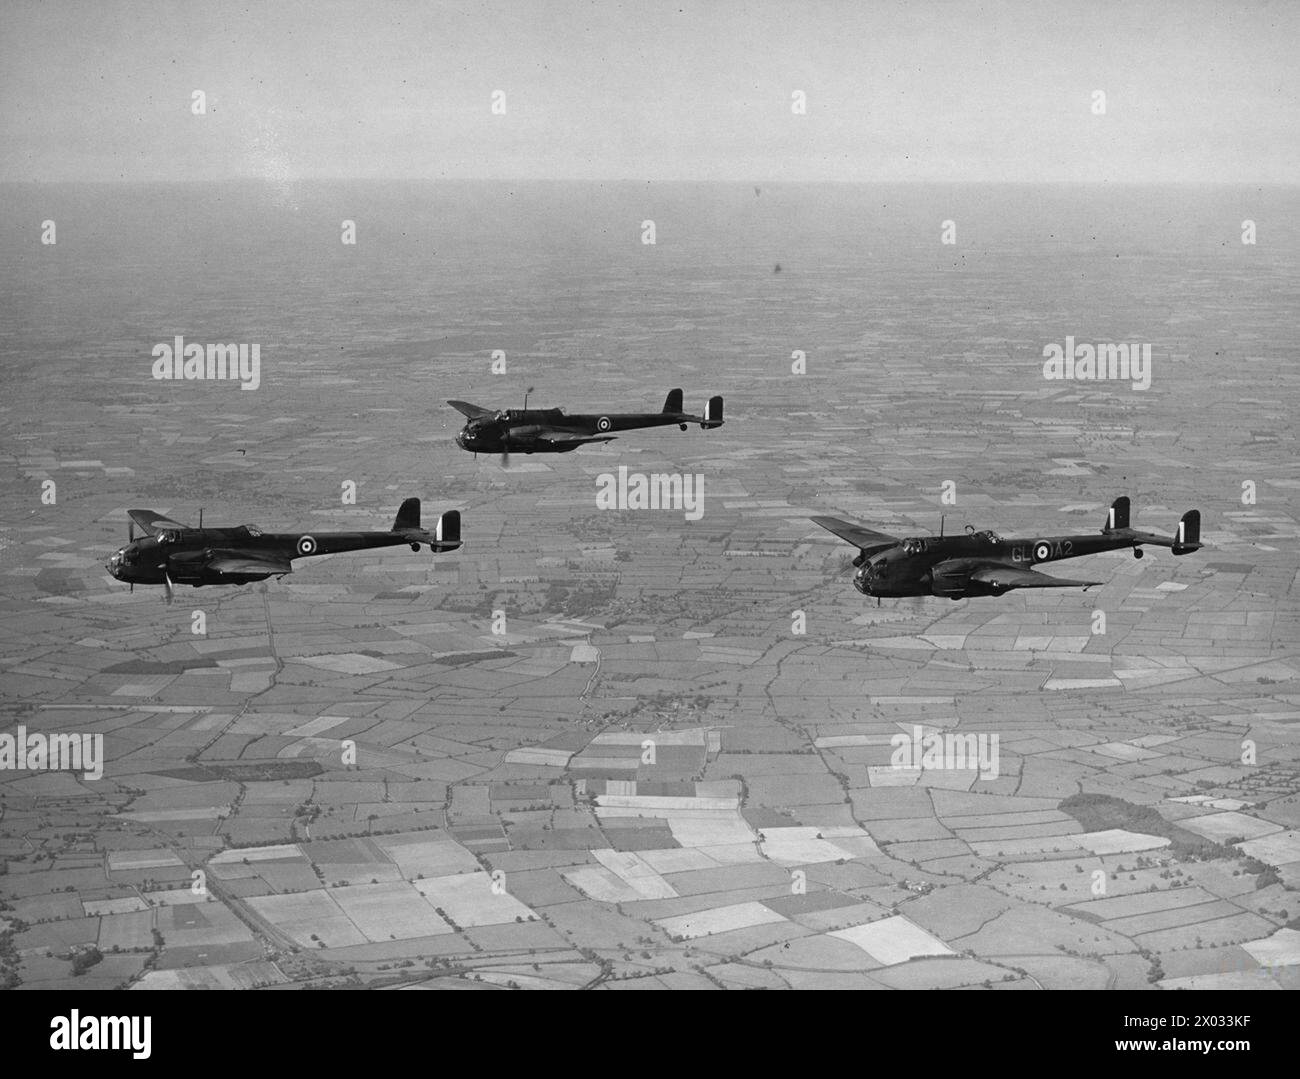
(281, 182)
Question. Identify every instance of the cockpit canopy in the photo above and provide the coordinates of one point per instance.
(988, 536)
(252, 530)
(512, 415)
(913, 545)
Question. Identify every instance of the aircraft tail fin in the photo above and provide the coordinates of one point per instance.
(712, 413)
(446, 533)
(1118, 518)
(673, 403)
(1187, 538)
(408, 515)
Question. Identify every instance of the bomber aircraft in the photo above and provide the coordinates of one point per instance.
(172, 553)
(985, 564)
(551, 430)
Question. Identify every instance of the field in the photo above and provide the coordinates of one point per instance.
(622, 748)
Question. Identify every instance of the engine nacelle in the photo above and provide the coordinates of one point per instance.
(948, 589)
(187, 567)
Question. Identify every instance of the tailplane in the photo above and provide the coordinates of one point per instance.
(1185, 540)
(445, 535)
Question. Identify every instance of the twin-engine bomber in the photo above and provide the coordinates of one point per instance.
(173, 553)
(550, 430)
(985, 564)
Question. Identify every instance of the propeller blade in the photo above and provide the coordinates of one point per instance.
(505, 458)
(167, 586)
(130, 530)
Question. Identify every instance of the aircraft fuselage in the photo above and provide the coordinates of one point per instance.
(528, 431)
(182, 553)
(909, 568)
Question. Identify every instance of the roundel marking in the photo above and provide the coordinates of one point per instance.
(603, 424)
(306, 545)
(1042, 552)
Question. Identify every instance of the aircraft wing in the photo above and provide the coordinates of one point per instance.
(244, 562)
(1001, 577)
(152, 522)
(865, 538)
(472, 412)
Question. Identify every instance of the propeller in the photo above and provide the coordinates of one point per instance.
(130, 538)
(167, 586)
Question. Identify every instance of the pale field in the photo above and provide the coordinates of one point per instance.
(141, 859)
(707, 922)
(1279, 849)
(389, 911)
(469, 900)
(893, 940)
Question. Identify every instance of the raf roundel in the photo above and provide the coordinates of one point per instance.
(306, 545)
(602, 424)
(1041, 552)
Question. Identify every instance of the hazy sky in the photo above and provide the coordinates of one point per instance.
(647, 90)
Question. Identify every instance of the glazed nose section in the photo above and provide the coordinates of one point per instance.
(462, 440)
(860, 581)
(114, 564)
